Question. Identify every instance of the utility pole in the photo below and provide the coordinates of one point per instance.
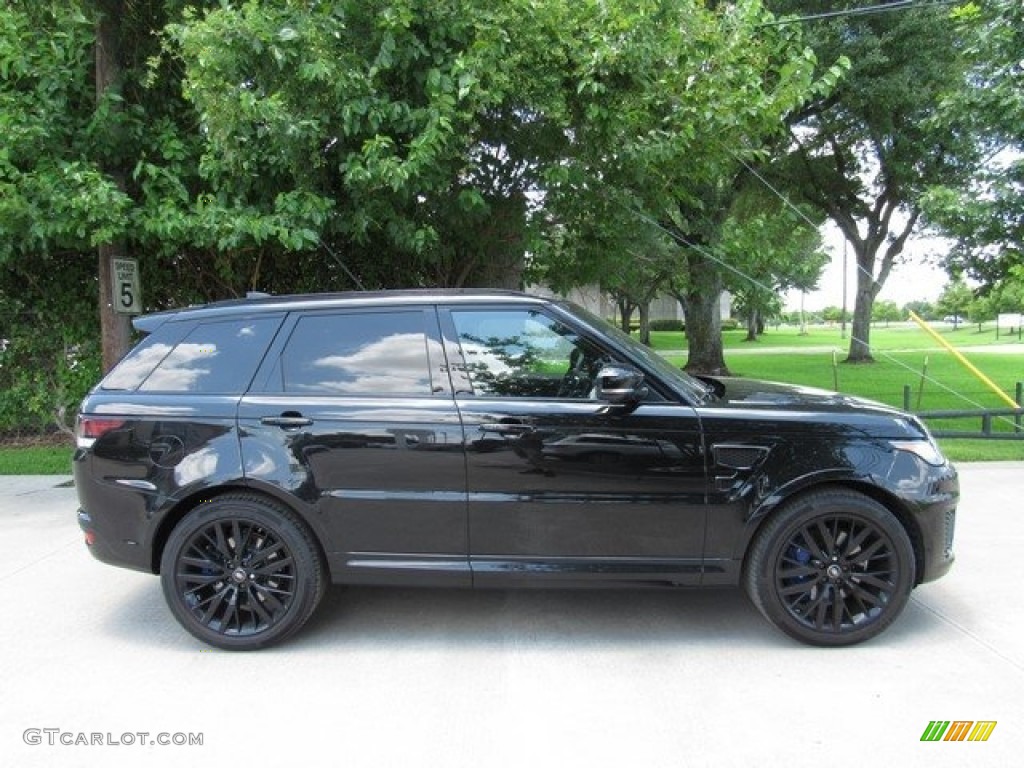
(115, 329)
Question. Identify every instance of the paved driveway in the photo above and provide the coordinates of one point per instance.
(96, 673)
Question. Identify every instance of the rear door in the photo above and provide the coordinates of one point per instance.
(562, 488)
(355, 415)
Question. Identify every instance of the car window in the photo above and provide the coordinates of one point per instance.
(359, 353)
(138, 363)
(214, 358)
(525, 353)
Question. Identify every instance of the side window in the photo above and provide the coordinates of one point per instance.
(215, 358)
(525, 353)
(359, 353)
(139, 362)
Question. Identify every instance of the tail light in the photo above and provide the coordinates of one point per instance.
(92, 427)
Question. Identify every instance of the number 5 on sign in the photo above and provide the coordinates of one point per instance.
(127, 291)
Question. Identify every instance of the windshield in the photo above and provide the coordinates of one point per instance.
(691, 388)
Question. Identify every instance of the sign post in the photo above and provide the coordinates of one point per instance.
(127, 291)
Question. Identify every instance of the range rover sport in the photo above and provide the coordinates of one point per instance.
(252, 452)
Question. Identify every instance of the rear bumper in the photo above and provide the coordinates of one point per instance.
(107, 549)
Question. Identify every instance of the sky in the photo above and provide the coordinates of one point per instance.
(916, 278)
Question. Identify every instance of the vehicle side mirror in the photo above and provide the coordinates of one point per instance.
(619, 385)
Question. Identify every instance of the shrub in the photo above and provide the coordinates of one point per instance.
(667, 324)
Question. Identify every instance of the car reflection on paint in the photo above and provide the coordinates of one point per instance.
(614, 453)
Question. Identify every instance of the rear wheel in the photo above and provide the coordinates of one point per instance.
(831, 568)
(241, 572)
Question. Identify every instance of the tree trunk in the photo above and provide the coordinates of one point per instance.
(703, 318)
(866, 250)
(752, 325)
(860, 333)
(645, 323)
(626, 308)
(115, 329)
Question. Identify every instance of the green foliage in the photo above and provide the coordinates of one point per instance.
(666, 324)
(49, 350)
(671, 106)
(832, 314)
(886, 311)
(987, 216)
(406, 130)
(865, 155)
(52, 193)
(956, 300)
(295, 146)
(922, 309)
(773, 248)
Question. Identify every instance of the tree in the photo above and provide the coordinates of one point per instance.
(1009, 292)
(411, 133)
(670, 103)
(923, 309)
(93, 165)
(987, 217)
(1004, 296)
(295, 146)
(115, 328)
(56, 205)
(982, 310)
(886, 312)
(832, 314)
(955, 301)
(865, 154)
(771, 248)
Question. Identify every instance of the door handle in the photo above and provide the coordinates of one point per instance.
(286, 421)
(507, 428)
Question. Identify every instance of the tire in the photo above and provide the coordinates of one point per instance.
(831, 568)
(241, 572)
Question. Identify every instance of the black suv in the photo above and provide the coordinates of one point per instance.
(252, 451)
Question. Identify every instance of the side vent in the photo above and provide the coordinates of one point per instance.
(738, 456)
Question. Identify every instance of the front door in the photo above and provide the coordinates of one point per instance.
(562, 487)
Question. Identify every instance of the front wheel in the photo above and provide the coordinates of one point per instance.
(240, 572)
(831, 568)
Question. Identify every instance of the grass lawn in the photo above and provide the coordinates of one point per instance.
(36, 460)
(902, 336)
(982, 450)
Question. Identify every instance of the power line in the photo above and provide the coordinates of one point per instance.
(869, 10)
(787, 202)
(341, 264)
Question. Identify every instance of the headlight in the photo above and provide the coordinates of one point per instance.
(926, 450)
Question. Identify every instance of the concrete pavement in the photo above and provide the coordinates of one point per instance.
(398, 677)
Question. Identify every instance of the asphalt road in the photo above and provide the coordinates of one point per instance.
(95, 672)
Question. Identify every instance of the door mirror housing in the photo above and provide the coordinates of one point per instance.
(618, 384)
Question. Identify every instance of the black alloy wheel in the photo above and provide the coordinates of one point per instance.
(831, 568)
(241, 573)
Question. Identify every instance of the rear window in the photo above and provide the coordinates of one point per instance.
(215, 357)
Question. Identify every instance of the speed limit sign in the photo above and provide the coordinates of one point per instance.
(127, 291)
